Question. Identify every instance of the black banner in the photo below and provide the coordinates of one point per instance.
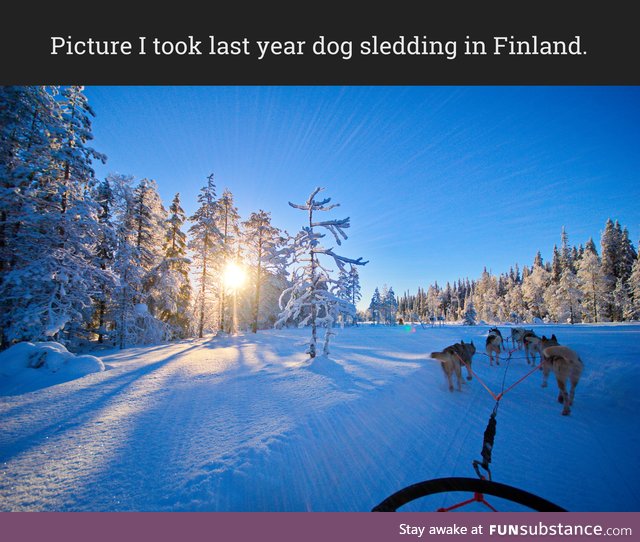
(401, 43)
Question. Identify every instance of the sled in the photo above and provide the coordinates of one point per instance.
(479, 487)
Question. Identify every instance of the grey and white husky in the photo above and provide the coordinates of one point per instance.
(517, 334)
(567, 368)
(452, 358)
(494, 345)
(546, 367)
(532, 347)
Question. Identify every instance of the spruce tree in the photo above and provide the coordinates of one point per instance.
(469, 315)
(593, 285)
(148, 220)
(563, 300)
(627, 257)
(228, 221)
(105, 251)
(610, 253)
(48, 218)
(129, 272)
(534, 287)
(634, 288)
(169, 283)
(264, 246)
(485, 299)
(566, 257)
(556, 266)
(391, 305)
(621, 301)
(537, 261)
(590, 246)
(140, 229)
(205, 243)
(354, 288)
(375, 306)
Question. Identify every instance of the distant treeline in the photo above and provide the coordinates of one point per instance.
(579, 284)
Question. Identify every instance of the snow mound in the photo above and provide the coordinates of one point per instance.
(327, 367)
(30, 366)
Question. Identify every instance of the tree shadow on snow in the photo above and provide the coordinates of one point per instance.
(335, 372)
(87, 405)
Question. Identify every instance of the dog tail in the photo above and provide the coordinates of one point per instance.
(438, 355)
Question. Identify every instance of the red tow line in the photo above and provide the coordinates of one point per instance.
(520, 380)
(477, 497)
(498, 396)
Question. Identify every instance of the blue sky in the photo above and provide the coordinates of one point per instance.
(438, 181)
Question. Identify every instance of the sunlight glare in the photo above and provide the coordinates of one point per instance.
(234, 276)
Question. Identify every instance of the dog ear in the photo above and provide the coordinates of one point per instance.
(554, 337)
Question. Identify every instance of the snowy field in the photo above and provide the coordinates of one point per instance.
(246, 424)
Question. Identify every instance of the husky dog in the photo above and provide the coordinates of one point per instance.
(546, 367)
(516, 336)
(494, 345)
(566, 366)
(532, 346)
(452, 358)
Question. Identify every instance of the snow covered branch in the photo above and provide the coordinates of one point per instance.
(312, 205)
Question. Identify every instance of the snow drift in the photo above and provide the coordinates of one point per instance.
(30, 366)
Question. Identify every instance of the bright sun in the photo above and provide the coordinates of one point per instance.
(234, 276)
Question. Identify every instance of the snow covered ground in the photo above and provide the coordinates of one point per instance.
(245, 424)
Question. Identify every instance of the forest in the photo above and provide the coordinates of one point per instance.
(85, 259)
(578, 284)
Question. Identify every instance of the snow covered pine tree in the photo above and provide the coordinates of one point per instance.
(205, 245)
(48, 219)
(264, 246)
(228, 221)
(311, 296)
(349, 290)
(169, 285)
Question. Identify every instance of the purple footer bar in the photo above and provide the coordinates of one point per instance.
(315, 526)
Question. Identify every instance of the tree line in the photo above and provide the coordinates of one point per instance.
(578, 284)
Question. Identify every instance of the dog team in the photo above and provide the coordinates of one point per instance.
(562, 360)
